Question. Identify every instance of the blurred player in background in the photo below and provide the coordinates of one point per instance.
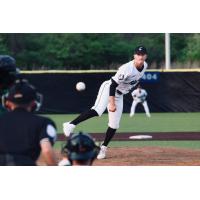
(8, 74)
(139, 96)
(23, 135)
(80, 150)
(110, 96)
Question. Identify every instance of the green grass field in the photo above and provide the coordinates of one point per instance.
(159, 122)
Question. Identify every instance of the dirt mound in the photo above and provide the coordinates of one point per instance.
(150, 156)
(147, 156)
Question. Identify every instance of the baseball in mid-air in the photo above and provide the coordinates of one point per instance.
(80, 86)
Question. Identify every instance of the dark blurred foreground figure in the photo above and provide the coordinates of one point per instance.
(24, 135)
(8, 74)
(80, 150)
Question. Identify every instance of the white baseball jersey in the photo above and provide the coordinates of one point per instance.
(128, 76)
(139, 94)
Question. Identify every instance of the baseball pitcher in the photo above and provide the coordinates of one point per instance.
(110, 96)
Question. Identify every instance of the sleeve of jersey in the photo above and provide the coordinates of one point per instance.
(48, 132)
(113, 87)
(120, 76)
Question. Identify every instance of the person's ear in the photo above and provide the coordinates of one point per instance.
(32, 106)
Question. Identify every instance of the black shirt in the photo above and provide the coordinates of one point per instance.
(22, 131)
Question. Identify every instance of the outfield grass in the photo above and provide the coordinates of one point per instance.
(159, 122)
(178, 144)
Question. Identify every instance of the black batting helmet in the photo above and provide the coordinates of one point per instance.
(81, 146)
(8, 71)
(22, 93)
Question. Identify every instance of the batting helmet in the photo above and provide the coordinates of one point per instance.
(82, 147)
(8, 71)
(23, 93)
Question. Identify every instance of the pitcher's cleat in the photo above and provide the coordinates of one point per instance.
(102, 152)
(68, 128)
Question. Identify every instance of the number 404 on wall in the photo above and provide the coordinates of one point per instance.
(151, 77)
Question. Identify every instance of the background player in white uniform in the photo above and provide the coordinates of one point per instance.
(110, 96)
(139, 96)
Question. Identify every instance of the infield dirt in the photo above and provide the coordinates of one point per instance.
(147, 156)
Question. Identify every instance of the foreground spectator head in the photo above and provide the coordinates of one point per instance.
(81, 149)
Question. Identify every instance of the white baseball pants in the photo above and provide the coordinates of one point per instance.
(102, 102)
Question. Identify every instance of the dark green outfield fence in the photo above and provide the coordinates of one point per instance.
(168, 91)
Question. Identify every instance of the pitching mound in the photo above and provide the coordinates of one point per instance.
(150, 156)
(147, 156)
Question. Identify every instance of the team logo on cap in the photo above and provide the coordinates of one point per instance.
(18, 95)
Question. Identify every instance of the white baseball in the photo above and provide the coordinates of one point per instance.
(80, 86)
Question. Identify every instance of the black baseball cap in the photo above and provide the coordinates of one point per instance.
(22, 92)
(7, 62)
(140, 50)
(8, 71)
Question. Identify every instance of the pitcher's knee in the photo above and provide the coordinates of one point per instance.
(99, 111)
